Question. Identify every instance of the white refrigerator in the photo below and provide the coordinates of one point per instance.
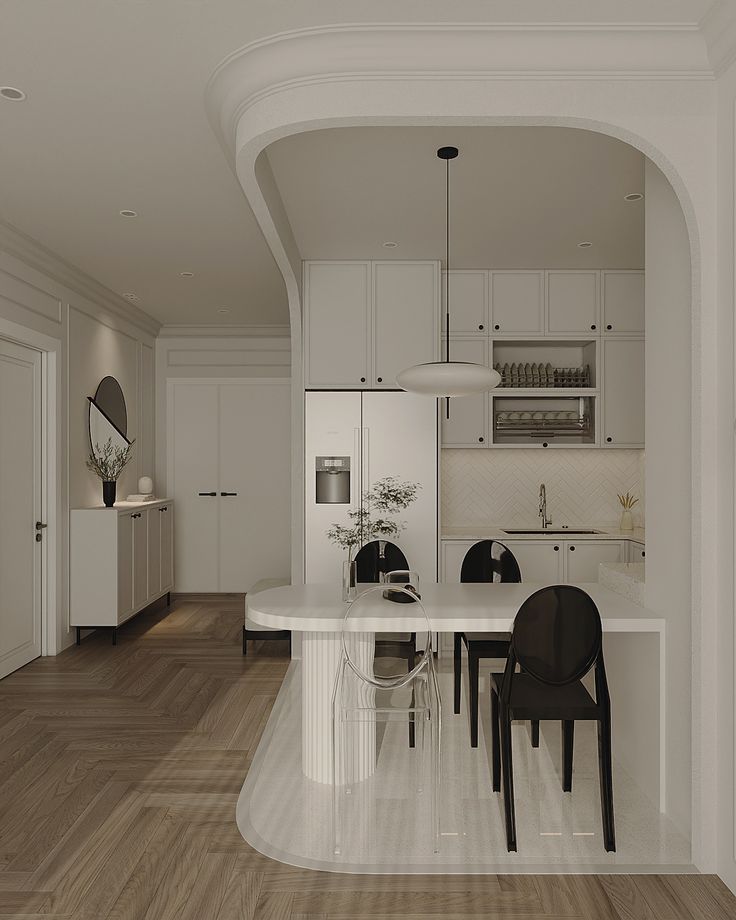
(352, 440)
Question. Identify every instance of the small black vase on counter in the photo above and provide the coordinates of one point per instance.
(108, 493)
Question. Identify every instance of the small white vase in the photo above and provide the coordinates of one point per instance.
(627, 522)
(349, 580)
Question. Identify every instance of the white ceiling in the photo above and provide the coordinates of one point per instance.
(522, 197)
(115, 119)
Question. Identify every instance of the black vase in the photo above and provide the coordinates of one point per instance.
(108, 493)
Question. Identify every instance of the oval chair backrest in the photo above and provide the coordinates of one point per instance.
(557, 634)
(371, 603)
(376, 558)
(488, 561)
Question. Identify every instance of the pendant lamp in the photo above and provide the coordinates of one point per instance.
(447, 378)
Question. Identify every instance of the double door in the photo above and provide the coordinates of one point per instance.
(145, 557)
(372, 436)
(229, 469)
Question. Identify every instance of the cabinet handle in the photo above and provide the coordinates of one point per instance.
(572, 549)
(557, 549)
(165, 508)
(379, 379)
(481, 440)
(609, 327)
(545, 444)
(592, 325)
(481, 327)
(643, 554)
(228, 493)
(608, 440)
(362, 379)
(207, 494)
(496, 327)
(134, 516)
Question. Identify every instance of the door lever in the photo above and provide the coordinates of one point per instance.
(40, 526)
(208, 494)
(228, 493)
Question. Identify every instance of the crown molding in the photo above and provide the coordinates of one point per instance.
(194, 331)
(718, 28)
(36, 255)
(456, 51)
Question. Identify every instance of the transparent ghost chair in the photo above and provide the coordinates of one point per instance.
(362, 698)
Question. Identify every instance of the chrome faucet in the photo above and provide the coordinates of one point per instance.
(543, 506)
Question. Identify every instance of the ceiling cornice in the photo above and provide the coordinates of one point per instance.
(196, 331)
(31, 252)
(457, 51)
(718, 27)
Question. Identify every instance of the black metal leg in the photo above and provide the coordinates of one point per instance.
(495, 745)
(114, 636)
(606, 783)
(473, 681)
(535, 733)
(79, 635)
(410, 662)
(568, 734)
(245, 647)
(458, 661)
(168, 598)
(508, 779)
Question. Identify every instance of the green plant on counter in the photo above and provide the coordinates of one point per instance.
(627, 501)
(109, 461)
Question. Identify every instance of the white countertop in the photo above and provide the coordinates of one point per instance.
(450, 608)
(496, 532)
(626, 578)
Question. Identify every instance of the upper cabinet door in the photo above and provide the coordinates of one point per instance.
(405, 318)
(337, 301)
(466, 426)
(468, 299)
(517, 303)
(572, 302)
(623, 302)
(623, 392)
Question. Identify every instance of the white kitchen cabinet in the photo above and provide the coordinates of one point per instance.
(366, 321)
(453, 553)
(582, 558)
(517, 303)
(116, 558)
(623, 302)
(636, 552)
(468, 302)
(623, 392)
(467, 424)
(337, 299)
(540, 561)
(572, 302)
(405, 318)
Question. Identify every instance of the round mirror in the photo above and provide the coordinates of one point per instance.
(108, 416)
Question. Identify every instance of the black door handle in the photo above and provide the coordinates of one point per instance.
(208, 494)
(228, 493)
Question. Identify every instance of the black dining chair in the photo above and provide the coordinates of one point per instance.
(485, 561)
(557, 638)
(373, 562)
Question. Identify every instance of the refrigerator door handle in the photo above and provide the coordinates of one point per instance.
(365, 471)
(356, 482)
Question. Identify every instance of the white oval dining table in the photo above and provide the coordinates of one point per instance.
(317, 611)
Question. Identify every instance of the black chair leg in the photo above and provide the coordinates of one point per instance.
(458, 662)
(568, 734)
(606, 783)
(245, 647)
(508, 779)
(535, 733)
(473, 681)
(412, 731)
(495, 744)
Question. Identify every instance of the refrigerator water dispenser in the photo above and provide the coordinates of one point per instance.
(333, 480)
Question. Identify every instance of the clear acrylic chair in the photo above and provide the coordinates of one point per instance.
(362, 698)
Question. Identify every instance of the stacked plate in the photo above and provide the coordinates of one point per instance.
(542, 375)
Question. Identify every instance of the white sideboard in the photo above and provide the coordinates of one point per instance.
(121, 560)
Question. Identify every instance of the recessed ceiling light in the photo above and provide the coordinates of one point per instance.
(133, 298)
(633, 196)
(12, 93)
(127, 213)
(389, 244)
(223, 310)
(586, 244)
(187, 274)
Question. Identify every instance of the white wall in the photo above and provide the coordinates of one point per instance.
(669, 467)
(89, 332)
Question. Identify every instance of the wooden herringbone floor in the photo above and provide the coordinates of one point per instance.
(120, 769)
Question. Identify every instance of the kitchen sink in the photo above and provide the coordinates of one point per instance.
(552, 533)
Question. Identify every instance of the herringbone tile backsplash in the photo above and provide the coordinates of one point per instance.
(482, 487)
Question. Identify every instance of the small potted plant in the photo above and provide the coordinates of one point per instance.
(388, 496)
(627, 502)
(108, 462)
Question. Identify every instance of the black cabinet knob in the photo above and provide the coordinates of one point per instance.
(379, 379)
(592, 326)
(557, 549)
(545, 444)
(643, 554)
(481, 326)
(362, 379)
(609, 326)
(481, 440)
(572, 549)
(609, 440)
(497, 327)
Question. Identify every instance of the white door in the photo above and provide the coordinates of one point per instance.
(193, 445)
(400, 439)
(466, 426)
(154, 551)
(332, 430)
(255, 483)
(540, 561)
(623, 302)
(125, 566)
(623, 392)
(583, 559)
(405, 318)
(468, 297)
(572, 302)
(20, 500)
(517, 302)
(140, 559)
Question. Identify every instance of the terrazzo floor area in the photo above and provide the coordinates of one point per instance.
(387, 825)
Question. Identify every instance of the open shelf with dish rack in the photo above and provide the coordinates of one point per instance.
(544, 421)
(545, 363)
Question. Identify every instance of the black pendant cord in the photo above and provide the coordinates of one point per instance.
(447, 275)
